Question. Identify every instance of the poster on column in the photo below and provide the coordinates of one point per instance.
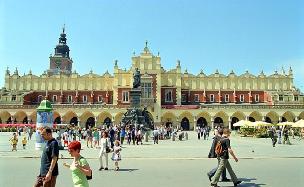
(44, 119)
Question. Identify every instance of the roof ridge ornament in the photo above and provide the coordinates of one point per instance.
(16, 71)
(146, 49)
(290, 71)
(7, 72)
(283, 71)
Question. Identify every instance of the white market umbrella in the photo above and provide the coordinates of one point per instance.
(286, 123)
(242, 123)
(261, 124)
(299, 123)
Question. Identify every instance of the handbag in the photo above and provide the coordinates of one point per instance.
(107, 147)
(90, 177)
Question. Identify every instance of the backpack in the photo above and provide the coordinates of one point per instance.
(219, 148)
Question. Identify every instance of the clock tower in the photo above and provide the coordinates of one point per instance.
(61, 62)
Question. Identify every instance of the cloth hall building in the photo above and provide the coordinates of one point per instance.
(171, 96)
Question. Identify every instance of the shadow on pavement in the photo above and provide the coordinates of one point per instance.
(129, 170)
(251, 185)
(247, 182)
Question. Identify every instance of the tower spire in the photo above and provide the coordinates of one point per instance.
(63, 28)
(61, 62)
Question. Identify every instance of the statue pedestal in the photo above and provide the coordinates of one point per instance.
(146, 136)
(135, 95)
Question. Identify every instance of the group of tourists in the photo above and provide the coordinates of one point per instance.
(93, 135)
(80, 168)
(203, 132)
(277, 134)
(164, 133)
(110, 138)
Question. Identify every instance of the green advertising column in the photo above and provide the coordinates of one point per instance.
(44, 119)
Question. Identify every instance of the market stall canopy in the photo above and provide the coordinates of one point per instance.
(29, 125)
(17, 125)
(242, 123)
(299, 124)
(261, 124)
(286, 123)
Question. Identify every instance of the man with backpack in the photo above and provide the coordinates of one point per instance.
(222, 150)
(218, 136)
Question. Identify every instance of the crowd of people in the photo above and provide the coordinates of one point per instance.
(125, 134)
(107, 138)
(203, 132)
(110, 138)
(281, 135)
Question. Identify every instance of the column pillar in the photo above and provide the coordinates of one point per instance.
(247, 118)
(229, 122)
(280, 119)
(263, 118)
(78, 121)
(178, 123)
(194, 123)
(113, 119)
(212, 123)
(296, 118)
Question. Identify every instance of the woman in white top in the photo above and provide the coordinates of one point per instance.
(104, 142)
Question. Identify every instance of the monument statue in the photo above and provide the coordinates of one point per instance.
(136, 76)
(135, 116)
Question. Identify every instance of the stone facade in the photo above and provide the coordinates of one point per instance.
(171, 96)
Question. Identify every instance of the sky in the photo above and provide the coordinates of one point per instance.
(227, 35)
